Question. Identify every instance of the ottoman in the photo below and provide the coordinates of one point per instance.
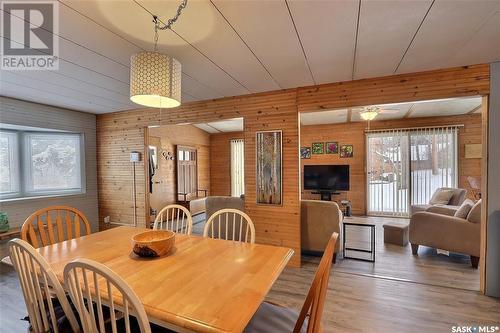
(396, 233)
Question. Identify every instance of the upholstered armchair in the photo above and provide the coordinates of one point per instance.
(451, 233)
(319, 219)
(455, 197)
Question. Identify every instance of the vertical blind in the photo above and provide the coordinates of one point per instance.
(387, 173)
(406, 166)
(237, 167)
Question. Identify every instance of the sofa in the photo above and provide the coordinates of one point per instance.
(447, 208)
(451, 233)
(318, 220)
(216, 203)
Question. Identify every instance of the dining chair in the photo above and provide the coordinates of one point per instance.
(47, 305)
(230, 224)
(93, 287)
(275, 318)
(54, 224)
(175, 218)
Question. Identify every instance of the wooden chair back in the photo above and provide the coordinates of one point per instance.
(54, 224)
(315, 300)
(175, 218)
(91, 286)
(230, 224)
(40, 287)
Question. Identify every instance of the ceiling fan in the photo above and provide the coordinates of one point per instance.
(369, 113)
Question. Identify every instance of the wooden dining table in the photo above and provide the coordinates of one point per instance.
(202, 285)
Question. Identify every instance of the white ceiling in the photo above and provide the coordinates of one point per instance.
(433, 108)
(229, 125)
(230, 48)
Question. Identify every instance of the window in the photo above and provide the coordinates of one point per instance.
(394, 183)
(237, 167)
(9, 164)
(40, 164)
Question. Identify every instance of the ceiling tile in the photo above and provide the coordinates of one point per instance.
(327, 30)
(481, 48)
(217, 40)
(385, 30)
(230, 125)
(268, 30)
(448, 26)
(323, 117)
(451, 107)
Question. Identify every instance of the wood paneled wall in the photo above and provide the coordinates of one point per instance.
(220, 164)
(166, 138)
(354, 133)
(121, 132)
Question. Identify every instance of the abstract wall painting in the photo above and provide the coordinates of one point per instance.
(305, 152)
(318, 148)
(332, 147)
(346, 151)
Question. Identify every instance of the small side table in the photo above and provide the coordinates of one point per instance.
(371, 251)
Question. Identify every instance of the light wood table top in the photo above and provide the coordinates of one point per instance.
(203, 285)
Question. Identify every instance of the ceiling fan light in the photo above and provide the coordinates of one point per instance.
(155, 80)
(369, 113)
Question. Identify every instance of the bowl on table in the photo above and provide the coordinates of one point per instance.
(153, 243)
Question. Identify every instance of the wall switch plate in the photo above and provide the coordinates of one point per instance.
(106, 220)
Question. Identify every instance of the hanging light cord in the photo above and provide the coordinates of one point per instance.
(169, 23)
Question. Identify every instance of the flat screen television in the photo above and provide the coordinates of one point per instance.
(326, 177)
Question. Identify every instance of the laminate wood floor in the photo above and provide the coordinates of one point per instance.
(398, 262)
(399, 293)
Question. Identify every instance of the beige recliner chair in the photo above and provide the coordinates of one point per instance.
(449, 233)
(318, 220)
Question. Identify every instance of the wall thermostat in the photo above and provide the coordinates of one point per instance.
(135, 156)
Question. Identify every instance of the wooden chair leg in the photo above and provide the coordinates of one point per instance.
(414, 249)
(334, 259)
(474, 261)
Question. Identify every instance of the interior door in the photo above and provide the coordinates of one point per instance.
(187, 173)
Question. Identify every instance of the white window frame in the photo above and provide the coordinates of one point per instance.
(14, 174)
(24, 174)
(237, 167)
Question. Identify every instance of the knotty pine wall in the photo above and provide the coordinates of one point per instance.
(166, 138)
(120, 132)
(220, 164)
(354, 133)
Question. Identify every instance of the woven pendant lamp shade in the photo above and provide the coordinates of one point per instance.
(155, 80)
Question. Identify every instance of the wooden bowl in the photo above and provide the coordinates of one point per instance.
(154, 243)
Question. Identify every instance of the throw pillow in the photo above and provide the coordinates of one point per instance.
(464, 209)
(474, 215)
(441, 197)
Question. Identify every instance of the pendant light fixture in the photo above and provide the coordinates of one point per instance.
(155, 78)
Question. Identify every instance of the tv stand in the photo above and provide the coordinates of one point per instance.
(326, 195)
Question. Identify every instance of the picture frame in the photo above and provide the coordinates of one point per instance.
(305, 153)
(269, 167)
(346, 151)
(318, 148)
(332, 147)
